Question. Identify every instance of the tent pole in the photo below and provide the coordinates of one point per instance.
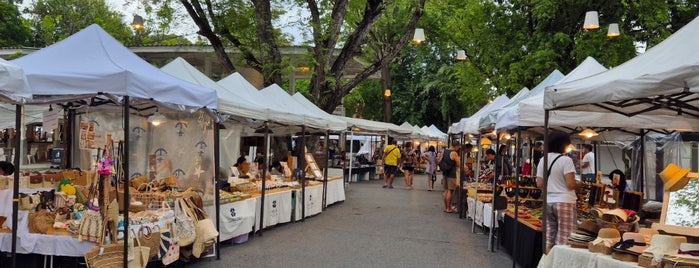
(325, 168)
(517, 174)
(264, 176)
(349, 177)
(643, 163)
(217, 178)
(545, 161)
(302, 159)
(125, 165)
(478, 173)
(15, 184)
(68, 142)
(498, 173)
(460, 197)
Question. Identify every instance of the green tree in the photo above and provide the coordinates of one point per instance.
(55, 20)
(13, 29)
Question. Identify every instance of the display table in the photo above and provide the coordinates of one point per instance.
(471, 205)
(51, 245)
(236, 218)
(277, 208)
(565, 256)
(528, 241)
(487, 215)
(314, 201)
(335, 191)
(360, 173)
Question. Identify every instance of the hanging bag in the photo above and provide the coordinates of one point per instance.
(169, 249)
(105, 256)
(186, 231)
(138, 254)
(205, 229)
(150, 238)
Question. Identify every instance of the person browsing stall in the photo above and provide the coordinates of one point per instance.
(560, 190)
(6, 168)
(587, 166)
(391, 155)
(450, 181)
(431, 157)
(408, 161)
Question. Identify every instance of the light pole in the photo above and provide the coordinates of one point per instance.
(137, 26)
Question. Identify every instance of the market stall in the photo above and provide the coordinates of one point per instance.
(660, 83)
(136, 134)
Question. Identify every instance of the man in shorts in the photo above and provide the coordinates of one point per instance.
(450, 181)
(391, 154)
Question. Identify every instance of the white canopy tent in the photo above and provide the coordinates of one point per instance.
(437, 134)
(311, 117)
(230, 100)
(662, 81)
(415, 133)
(488, 121)
(470, 124)
(91, 62)
(13, 85)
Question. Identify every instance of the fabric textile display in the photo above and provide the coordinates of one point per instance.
(169, 249)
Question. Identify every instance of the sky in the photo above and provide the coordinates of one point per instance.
(187, 28)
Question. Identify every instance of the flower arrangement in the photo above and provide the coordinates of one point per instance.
(104, 166)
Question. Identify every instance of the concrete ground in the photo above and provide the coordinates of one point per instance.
(374, 227)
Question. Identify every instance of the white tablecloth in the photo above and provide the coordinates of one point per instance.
(487, 215)
(565, 256)
(277, 209)
(56, 245)
(336, 191)
(314, 201)
(471, 204)
(236, 218)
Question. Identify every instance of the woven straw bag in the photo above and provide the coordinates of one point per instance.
(205, 229)
(90, 226)
(105, 256)
(149, 238)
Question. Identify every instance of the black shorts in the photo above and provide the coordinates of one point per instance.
(389, 170)
(408, 168)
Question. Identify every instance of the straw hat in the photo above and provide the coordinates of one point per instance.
(615, 216)
(606, 238)
(674, 177)
(661, 245)
(686, 250)
(589, 227)
(648, 233)
(632, 243)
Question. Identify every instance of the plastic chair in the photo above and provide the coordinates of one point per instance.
(31, 157)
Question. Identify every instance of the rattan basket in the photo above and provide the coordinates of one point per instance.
(599, 248)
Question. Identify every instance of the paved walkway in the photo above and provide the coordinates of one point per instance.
(374, 227)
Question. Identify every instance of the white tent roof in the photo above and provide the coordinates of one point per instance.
(470, 124)
(91, 62)
(311, 117)
(439, 133)
(375, 127)
(489, 119)
(414, 133)
(13, 86)
(32, 114)
(664, 80)
(299, 98)
(530, 111)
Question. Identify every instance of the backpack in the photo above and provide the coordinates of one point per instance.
(446, 164)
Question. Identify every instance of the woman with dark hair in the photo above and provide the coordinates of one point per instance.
(408, 160)
(6, 168)
(619, 181)
(431, 157)
(560, 190)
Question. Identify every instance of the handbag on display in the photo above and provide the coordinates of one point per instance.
(51, 180)
(169, 249)
(205, 230)
(41, 221)
(149, 238)
(165, 212)
(138, 254)
(29, 201)
(105, 256)
(36, 181)
(186, 230)
(91, 226)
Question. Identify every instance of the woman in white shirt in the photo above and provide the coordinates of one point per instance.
(560, 191)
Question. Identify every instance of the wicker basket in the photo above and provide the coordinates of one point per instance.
(599, 248)
(645, 261)
(622, 227)
(625, 256)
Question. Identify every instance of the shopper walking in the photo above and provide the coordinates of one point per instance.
(587, 166)
(391, 155)
(431, 157)
(560, 191)
(408, 162)
(450, 181)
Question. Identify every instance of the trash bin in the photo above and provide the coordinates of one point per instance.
(56, 157)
